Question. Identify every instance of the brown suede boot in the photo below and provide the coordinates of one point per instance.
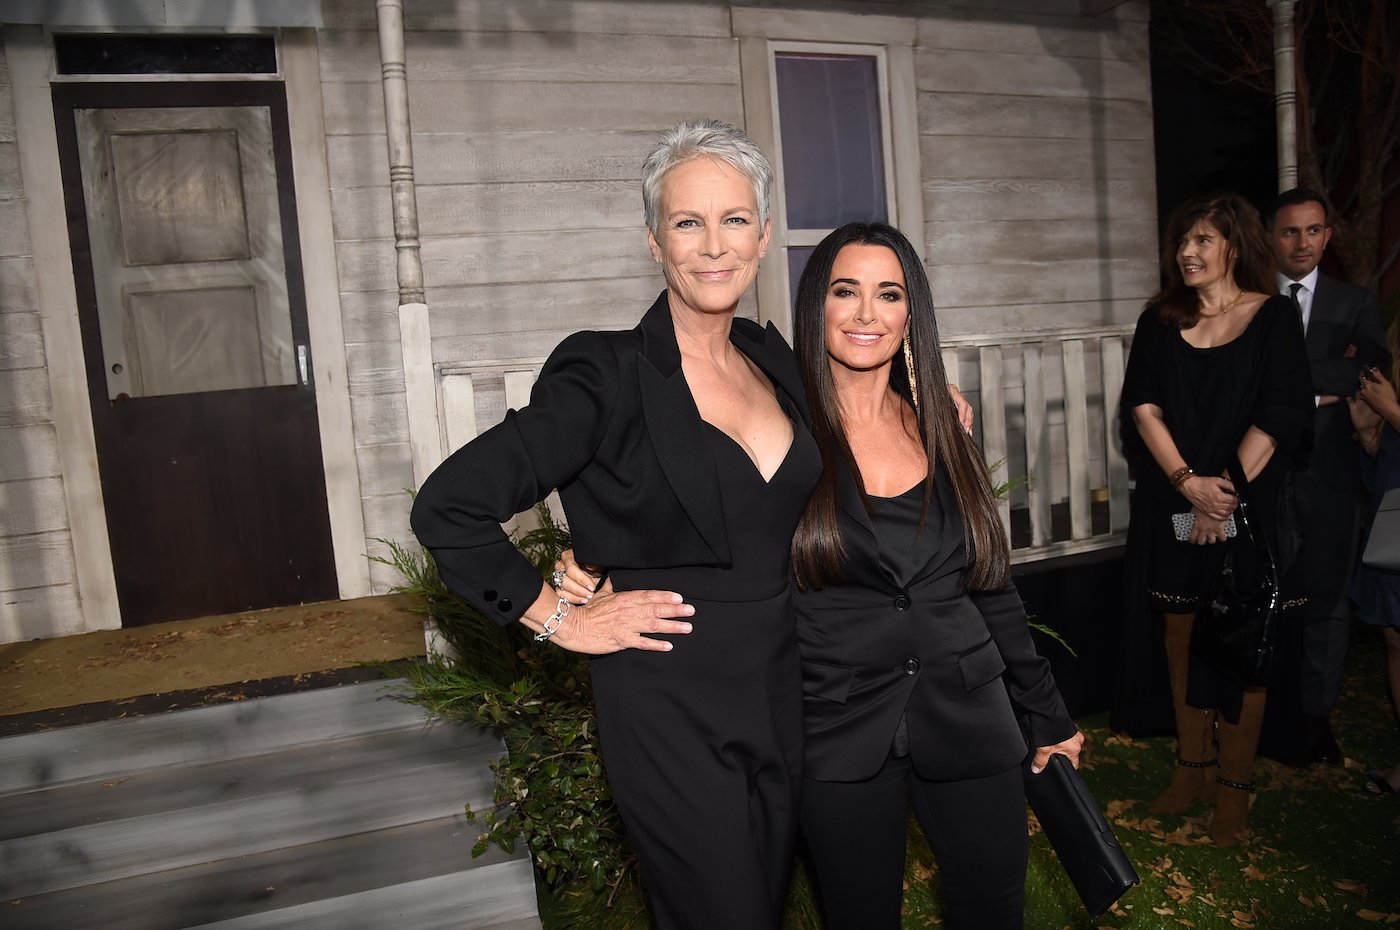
(1193, 776)
(1238, 743)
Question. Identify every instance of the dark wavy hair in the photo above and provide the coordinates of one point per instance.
(1238, 223)
(817, 547)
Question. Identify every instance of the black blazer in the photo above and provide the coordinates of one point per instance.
(612, 424)
(1342, 315)
(959, 665)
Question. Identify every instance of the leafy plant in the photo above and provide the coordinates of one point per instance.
(550, 788)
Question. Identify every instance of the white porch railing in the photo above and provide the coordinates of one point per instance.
(1045, 401)
(1046, 404)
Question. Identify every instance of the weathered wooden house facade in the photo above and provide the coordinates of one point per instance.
(209, 399)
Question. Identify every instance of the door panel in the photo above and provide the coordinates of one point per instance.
(184, 236)
(187, 248)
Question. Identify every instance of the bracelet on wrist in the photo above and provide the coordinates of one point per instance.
(1178, 477)
(554, 621)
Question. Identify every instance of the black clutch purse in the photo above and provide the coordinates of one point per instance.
(1082, 838)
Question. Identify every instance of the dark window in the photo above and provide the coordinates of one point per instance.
(174, 54)
(833, 153)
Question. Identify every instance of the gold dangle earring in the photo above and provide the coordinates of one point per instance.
(909, 367)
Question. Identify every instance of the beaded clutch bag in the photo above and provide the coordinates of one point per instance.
(1182, 523)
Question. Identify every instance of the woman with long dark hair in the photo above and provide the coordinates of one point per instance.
(917, 659)
(1217, 372)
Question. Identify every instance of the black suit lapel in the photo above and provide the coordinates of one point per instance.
(848, 500)
(676, 431)
(1321, 319)
(949, 535)
(772, 354)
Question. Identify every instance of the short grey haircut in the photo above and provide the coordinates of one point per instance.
(713, 138)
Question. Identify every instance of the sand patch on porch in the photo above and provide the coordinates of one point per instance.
(111, 665)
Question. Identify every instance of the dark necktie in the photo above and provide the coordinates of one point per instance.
(1293, 290)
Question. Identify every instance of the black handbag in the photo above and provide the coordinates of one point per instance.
(1081, 837)
(1234, 632)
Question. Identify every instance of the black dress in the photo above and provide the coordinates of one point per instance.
(718, 720)
(1209, 399)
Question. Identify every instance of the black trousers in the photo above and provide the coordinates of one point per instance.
(855, 832)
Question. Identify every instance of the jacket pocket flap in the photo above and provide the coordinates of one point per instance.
(980, 665)
(832, 682)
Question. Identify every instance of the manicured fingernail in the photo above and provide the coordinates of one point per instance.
(687, 628)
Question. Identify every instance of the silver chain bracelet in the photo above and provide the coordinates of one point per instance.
(555, 620)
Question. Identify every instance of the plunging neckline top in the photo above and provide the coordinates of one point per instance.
(792, 440)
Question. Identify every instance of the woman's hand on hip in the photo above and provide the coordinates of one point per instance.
(1069, 748)
(571, 580)
(1209, 495)
(612, 621)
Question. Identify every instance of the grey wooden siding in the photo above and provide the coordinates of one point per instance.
(1039, 189)
(531, 119)
(530, 125)
(38, 587)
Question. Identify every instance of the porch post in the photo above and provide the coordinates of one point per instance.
(1285, 93)
(415, 332)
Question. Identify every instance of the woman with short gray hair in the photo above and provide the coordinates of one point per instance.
(682, 455)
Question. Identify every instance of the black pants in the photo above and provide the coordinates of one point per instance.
(976, 827)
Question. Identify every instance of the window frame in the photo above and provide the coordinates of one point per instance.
(806, 238)
(762, 34)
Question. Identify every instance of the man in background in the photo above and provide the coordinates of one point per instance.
(1343, 332)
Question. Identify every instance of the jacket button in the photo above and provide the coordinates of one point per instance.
(911, 666)
(901, 603)
(489, 594)
(503, 605)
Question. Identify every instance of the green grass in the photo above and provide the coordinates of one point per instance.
(1323, 853)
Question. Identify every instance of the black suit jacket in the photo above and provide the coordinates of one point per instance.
(612, 424)
(959, 665)
(1342, 315)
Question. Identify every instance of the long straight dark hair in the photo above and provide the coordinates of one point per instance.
(817, 547)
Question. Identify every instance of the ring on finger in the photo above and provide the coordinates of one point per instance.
(556, 578)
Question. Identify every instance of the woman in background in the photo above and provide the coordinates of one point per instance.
(1214, 374)
(1376, 414)
(916, 655)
